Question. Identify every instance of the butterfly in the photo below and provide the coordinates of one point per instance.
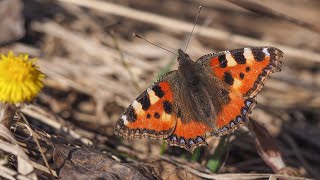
(214, 94)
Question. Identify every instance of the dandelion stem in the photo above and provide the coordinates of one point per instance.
(7, 113)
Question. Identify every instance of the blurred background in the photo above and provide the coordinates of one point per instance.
(95, 68)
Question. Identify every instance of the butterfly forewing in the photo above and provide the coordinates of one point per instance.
(244, 72)
(150, 115)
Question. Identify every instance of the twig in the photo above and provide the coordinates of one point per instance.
(36, 141)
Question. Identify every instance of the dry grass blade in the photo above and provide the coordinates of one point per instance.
(37, 142)
(43, 116)
(180, 26)
(261, 9)
(9, 145)
(25, 167)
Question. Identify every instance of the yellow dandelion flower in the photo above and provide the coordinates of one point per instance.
(20, 79)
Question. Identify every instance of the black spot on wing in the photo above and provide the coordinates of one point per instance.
(248, 69)
(148, 116)
(131, 114)
(258, 54)
(156, 115)
(238, 56)
(227, 78)
(158, 92)
(223, 61)
(167, 106)
(145, 101)
(241, 75)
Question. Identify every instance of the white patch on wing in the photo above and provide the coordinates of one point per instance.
(152, 96)
(237, 83)
(266, 52)
(124, 119)
(165, 116)
(248, 55)
(230, 60)
(137, 106)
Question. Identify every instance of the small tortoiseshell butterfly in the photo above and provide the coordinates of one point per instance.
(214, 94)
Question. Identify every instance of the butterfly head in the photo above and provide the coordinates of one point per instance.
(187, 69)
(183, 57)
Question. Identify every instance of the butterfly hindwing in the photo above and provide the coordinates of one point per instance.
(234, 114)
(189, 134)
(150, 115)
(244, 72)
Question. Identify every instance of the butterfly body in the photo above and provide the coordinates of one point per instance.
(196, 88)
(214, 94)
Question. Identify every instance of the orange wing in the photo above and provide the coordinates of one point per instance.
(244, 72)
(189, 134)
(150, 115)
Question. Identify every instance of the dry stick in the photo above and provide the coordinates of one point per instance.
(37, 142)
(181, 26)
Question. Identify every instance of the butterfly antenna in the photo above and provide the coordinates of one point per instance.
(194, 25)
(136, 35)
